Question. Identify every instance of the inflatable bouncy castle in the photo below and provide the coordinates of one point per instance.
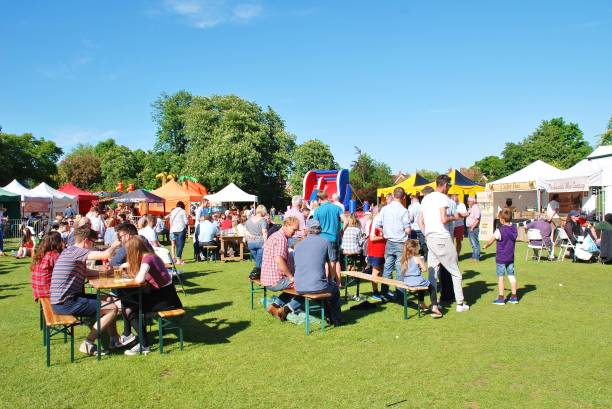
(331, 181)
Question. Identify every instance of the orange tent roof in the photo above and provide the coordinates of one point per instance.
(195, 186)
(173, 193)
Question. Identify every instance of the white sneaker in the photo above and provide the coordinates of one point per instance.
(135, 350)
(124, 341)
(89, 348)
(463, 308)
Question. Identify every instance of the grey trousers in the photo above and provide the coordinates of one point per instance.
(441, 251)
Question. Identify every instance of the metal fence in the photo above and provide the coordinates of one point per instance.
(12, 227)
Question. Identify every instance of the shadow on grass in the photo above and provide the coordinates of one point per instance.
(198, 290)
(467, 274)
(520, 292)
(475, 290)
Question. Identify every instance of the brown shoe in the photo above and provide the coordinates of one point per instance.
(278, 312)
(273, 310)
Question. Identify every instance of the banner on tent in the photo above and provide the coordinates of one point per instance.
(487, 218)
(510, 187)
(36, 206)
(569, 185)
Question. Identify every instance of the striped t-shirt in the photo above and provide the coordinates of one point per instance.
(69, 274)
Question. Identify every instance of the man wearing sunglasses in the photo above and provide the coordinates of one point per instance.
(125, 231)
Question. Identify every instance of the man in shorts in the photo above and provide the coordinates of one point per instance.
(67, 280)
(459, 225)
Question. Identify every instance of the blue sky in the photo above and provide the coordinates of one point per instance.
(417, 84)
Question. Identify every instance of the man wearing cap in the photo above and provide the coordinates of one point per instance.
(310, 257)
(276, 273)
(571, 227)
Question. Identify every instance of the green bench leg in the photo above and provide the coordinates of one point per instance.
(252, 296)
(265, 298)
(181, 337)
(322, 316)
(48, 342)
(405, 305)
(72, 344)
(160, 325)
(307, 316)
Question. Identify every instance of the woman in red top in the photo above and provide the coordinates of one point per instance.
(26, 245)
(376, 255)
(160, 293)
(43, 262)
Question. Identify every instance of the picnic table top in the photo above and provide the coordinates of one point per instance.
(108, 280)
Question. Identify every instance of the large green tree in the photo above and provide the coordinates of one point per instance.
(312, 154)
(606, 137)
(233, 140)
(493, 167)
(27, 158)
(559, 143)
(82, 168)
(367, 174)
(169, 114)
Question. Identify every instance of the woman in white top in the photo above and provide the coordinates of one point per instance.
(179, 221)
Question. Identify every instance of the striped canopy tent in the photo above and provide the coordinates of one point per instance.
(460, 185)
(411, 186)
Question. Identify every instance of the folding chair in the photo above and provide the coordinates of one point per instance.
(535, 235)
(564, 243)
(164, 254)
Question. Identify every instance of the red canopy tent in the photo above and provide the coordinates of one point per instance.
(84, 197)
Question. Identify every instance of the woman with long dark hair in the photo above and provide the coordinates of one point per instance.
(160, 293)
(43, 262)
(26, 245)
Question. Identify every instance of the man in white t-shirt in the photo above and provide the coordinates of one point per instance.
(441, 251)
(552, 209)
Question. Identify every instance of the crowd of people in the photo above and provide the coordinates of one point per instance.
(60, 268)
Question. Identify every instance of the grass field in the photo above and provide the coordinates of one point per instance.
(553, 350)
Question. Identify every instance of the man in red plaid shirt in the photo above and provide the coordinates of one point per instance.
(275, 271)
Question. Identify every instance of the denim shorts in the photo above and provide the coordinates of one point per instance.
(82, 305)
(504, 269)
(332, 251)
(376, 261)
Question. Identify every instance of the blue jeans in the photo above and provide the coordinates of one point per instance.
(473, 236)
(256, 249)
(393, 258)
(504, 269)
(291, 302)
(335, 311)
(179, 237)
(418, 235)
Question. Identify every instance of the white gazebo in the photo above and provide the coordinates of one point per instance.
(59, 200)
(30, 201)
(231, 193)
(524, 187)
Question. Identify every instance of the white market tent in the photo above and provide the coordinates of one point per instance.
(588, 182)
(231, 193)
(30, 201)
(59, 200)
(524, 187)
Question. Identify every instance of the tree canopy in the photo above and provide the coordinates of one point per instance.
(27, 158)
(559, 143)
(312, 154)
(367, 174)
(233, 140)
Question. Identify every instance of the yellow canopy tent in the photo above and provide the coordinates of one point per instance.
(461, 185)
(414, 183)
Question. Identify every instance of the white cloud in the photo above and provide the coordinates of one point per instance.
(211, 13)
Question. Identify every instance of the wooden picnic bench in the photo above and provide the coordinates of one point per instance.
(56, 324)
(318, 298)
(167, 320)
(358, 275)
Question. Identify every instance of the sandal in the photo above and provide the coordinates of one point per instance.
(436, 313)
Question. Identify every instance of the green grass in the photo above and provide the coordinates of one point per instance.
(553, 350)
